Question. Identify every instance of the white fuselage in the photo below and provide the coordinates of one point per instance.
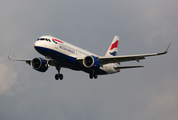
(66, 54)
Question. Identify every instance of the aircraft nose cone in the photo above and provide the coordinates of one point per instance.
(36, 44)
(40, 47)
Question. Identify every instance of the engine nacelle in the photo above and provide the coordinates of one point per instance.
(91, 62)
(39, 64)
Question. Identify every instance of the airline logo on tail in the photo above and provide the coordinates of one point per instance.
(113, 53)
(112, 50)
(114, 45)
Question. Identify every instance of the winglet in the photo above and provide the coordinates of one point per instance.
(16, 59)
(168, 47)
(165, 51)
(10, 55)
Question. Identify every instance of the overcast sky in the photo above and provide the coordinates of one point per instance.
(144, 26)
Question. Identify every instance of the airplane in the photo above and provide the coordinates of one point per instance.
(61, 54)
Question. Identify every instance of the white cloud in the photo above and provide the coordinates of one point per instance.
(8, 78)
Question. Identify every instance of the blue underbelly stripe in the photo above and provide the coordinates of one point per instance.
(67, 61)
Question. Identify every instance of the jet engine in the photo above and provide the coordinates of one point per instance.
(91, 62)
(39, 64)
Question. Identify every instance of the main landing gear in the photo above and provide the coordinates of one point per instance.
(59, 76)
(93, 74)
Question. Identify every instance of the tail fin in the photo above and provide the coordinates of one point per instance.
(112, 51)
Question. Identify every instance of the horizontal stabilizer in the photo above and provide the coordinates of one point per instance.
(125, 67)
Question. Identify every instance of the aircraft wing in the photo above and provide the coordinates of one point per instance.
(15, 59)
(51, 62)
(119, 59)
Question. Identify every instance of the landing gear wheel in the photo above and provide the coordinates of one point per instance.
(56, 76)
(91, 76)
(59, 76)
(95, 76)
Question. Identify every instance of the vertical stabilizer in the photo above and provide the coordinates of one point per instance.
(112, 51)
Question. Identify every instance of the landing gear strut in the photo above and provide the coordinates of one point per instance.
(47, 59)
(59, 76)
(93, 74)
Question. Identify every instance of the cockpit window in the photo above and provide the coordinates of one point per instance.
(48, 40)
(44, 39)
